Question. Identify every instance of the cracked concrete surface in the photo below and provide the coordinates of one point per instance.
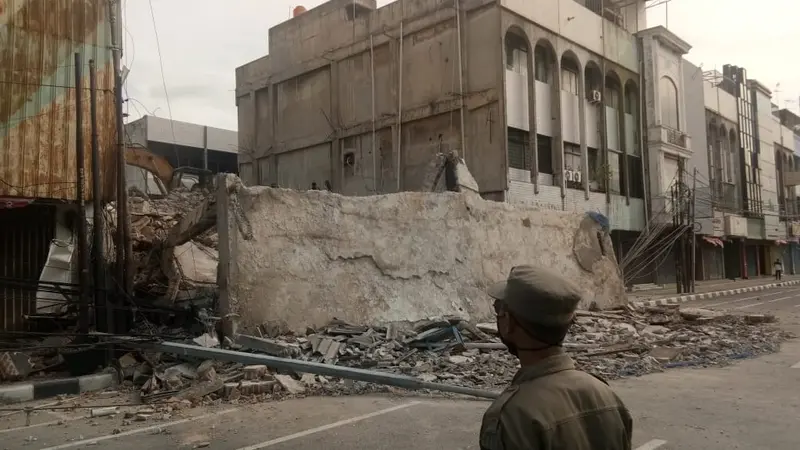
(316, 255)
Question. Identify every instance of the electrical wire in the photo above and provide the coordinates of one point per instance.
(164, 83)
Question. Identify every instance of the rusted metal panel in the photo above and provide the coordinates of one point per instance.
(38, 40)
(25, 236)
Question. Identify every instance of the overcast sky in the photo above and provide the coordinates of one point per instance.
(203, 41)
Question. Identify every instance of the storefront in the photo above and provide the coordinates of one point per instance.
(710, 258)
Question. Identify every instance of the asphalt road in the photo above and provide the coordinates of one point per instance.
(751, 405)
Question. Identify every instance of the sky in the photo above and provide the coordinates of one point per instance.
(203, 41)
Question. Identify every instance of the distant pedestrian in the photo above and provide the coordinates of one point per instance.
(550, 403)
(777, 266)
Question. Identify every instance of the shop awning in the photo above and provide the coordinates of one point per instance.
(717, 242)
(780, 242)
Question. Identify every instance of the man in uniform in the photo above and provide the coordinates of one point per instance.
(550, 405)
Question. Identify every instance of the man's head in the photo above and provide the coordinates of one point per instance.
(535, 308)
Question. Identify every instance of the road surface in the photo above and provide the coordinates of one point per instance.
(751, 405)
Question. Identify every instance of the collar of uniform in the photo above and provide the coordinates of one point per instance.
(557, 362)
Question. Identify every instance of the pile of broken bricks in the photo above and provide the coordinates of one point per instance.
(627, 342)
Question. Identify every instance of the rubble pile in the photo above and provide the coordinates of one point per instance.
(158, 274)
(621, 343)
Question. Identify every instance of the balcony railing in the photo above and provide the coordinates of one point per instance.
(675, 137)
(670, 136)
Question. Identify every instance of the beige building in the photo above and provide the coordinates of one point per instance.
(540, 97)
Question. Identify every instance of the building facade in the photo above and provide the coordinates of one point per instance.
(186, 144)
(541, 98)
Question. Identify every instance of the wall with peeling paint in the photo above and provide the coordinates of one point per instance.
(306, 257)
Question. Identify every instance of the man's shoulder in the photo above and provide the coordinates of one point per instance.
(564, 386)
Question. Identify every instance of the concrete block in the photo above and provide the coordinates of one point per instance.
(291, 385)
(254, 372)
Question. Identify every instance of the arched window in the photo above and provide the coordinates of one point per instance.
(669, 103)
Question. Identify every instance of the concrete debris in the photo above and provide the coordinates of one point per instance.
(14, 366)
(450, 350)
(163, 270)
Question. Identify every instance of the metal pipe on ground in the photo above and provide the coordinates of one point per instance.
(80, 154)
(368, 376)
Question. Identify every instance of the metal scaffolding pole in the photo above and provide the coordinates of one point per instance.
(368, 376)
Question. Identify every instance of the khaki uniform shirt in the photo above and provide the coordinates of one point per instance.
(553, 406)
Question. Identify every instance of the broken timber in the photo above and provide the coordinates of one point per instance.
(369, 376)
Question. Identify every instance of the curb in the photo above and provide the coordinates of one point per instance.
(707, 295)
(25, 392)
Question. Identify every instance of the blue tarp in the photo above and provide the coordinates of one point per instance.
(601, 220)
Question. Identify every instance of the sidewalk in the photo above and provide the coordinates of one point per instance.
(709, 289)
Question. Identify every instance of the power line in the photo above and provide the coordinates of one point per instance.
(164, 82)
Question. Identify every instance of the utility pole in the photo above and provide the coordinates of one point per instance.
(124, 250)
(80, 160)
(676, 223)
(692, 216)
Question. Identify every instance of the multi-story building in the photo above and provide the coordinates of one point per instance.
(787, 167)
(744, 216)
(541, 98)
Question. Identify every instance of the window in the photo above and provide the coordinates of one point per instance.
(635, 177)
(544, 149)
(573, 162)
(516, 53)
(612, 97)
(669, 103)
(569, 81)
(542, 62)
(614, 172)
(597, 179)
(572, 157)
(519, 154)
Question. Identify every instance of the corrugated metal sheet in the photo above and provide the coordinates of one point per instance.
(25, 235)
(38, 40)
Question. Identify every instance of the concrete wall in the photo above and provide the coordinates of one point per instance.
(306, 257)
(315, 91)
(696, 127)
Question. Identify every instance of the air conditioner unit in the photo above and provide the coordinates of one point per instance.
(568, 174)
(576, 177)
(595, 96)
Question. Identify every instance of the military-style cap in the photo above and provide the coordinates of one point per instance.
(538, 297)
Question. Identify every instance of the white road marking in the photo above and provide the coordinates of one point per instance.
(762, 303)
(796, 366)
(739, 300)
(330, 426)
(93, 441)
(727, 302)
(652, 445)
